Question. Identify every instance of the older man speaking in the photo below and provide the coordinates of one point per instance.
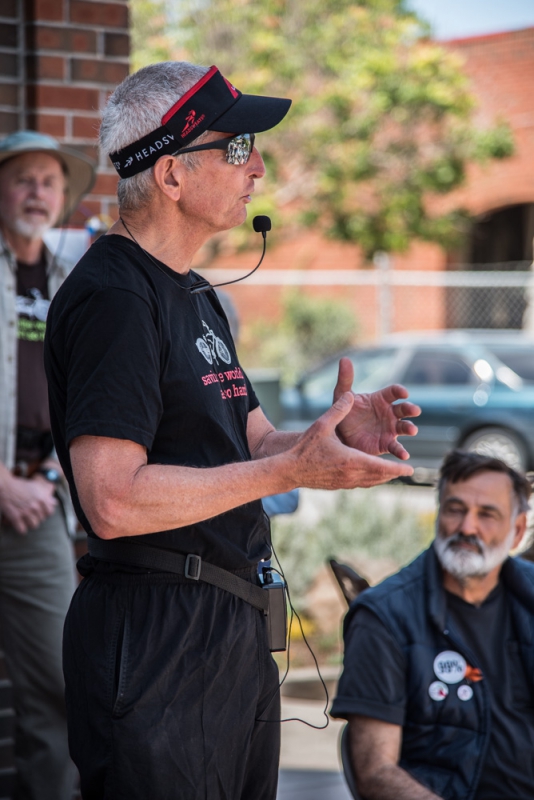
(171, 689)
(40, 183)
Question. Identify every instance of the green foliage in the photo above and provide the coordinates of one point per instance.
(151, 38)
(357, 525)
(381, 117)
(311, 329)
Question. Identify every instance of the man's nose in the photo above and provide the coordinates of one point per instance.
(37, 189)
(470, 523)
(255, 164)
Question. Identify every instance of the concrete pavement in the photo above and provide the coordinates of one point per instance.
(309, 764)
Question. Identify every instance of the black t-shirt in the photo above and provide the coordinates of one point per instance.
(373, 684)
(508, 772)
(132, 354)
(32, 307)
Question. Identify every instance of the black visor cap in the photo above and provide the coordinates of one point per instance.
(252, 114)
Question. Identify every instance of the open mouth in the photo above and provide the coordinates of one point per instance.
(36, 212)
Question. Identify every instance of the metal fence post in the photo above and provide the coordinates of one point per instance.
(382, 262)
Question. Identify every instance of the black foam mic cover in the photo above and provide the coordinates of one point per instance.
(261, 224)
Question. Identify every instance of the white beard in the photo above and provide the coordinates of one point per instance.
(31, 230)
(463, 563)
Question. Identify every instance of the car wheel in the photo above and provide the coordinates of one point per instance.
(498, 443)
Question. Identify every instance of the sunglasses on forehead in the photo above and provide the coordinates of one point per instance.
(238, 148)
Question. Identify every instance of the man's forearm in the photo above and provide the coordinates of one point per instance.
(162, 497)
(276, 442)
(391, 782)
(375, 748)
(122, 495)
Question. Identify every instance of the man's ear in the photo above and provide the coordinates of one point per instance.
(168, 173)
(520, 528)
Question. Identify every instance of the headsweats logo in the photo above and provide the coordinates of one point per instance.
(191, 122)
(145, 152)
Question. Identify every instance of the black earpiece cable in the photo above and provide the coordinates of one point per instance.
(261, 224)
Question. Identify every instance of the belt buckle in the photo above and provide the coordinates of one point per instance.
(193, 566)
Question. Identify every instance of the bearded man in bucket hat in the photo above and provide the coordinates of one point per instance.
(40, 183)
(171, 688)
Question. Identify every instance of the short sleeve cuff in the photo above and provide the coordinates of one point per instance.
(346, 706)
(111, 429)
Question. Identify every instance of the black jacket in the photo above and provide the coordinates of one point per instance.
(444, 744)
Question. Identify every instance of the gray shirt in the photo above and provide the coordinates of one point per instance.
(57, 270)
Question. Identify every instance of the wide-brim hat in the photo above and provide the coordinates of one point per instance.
(79, 169)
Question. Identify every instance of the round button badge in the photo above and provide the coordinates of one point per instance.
(438, 690)
(450, 666)
(465, 692)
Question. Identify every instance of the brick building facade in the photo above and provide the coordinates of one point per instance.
(500, 195)
(59, 59)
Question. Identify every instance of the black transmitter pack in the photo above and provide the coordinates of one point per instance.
(274, 584)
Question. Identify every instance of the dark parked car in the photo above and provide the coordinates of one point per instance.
(476, 390)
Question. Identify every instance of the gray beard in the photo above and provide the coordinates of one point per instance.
(463, 564)
(30, 230)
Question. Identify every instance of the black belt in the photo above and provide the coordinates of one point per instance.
(190, 566)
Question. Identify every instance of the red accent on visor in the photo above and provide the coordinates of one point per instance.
(192, 91)
(234, 91)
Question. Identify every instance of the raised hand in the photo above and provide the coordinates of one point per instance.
(322, 461)
(375, 420)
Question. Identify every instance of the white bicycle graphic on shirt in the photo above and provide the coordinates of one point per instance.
(212, 347)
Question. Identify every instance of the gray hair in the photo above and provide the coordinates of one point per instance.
(134, 109)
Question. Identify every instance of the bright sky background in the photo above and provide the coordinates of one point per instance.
(451, 19)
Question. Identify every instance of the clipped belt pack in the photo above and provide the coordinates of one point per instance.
(195, 569)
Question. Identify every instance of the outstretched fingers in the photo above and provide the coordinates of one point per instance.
(381, 470)
(406, 428)
(406, 409)
(396, 449)
(345, 377)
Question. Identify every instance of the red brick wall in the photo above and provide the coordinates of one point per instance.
(59, 59)
(11, 66)
(501, 70)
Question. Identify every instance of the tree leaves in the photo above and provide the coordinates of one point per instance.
(382, 118)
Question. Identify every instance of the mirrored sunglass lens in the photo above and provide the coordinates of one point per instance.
(239, 149)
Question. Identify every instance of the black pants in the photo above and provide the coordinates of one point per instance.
(166, 685)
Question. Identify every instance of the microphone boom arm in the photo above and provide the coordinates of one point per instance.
(261, 224)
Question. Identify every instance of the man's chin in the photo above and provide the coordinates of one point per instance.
(461, 561)
(31, 230)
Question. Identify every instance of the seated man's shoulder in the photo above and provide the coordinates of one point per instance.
(519, 569)
(396, 593)
(525, 566)
(405, 580)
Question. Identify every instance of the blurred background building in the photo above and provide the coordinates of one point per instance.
(58, 63)
(485, 284)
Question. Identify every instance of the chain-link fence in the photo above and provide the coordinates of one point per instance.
(385, 300)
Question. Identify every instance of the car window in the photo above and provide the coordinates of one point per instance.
(521, 360)
(437, 368)
(372, 370)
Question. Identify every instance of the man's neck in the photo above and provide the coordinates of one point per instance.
(29, 251)
(172, 241)
(473, 590)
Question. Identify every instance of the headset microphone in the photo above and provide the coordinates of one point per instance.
(261, 224)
